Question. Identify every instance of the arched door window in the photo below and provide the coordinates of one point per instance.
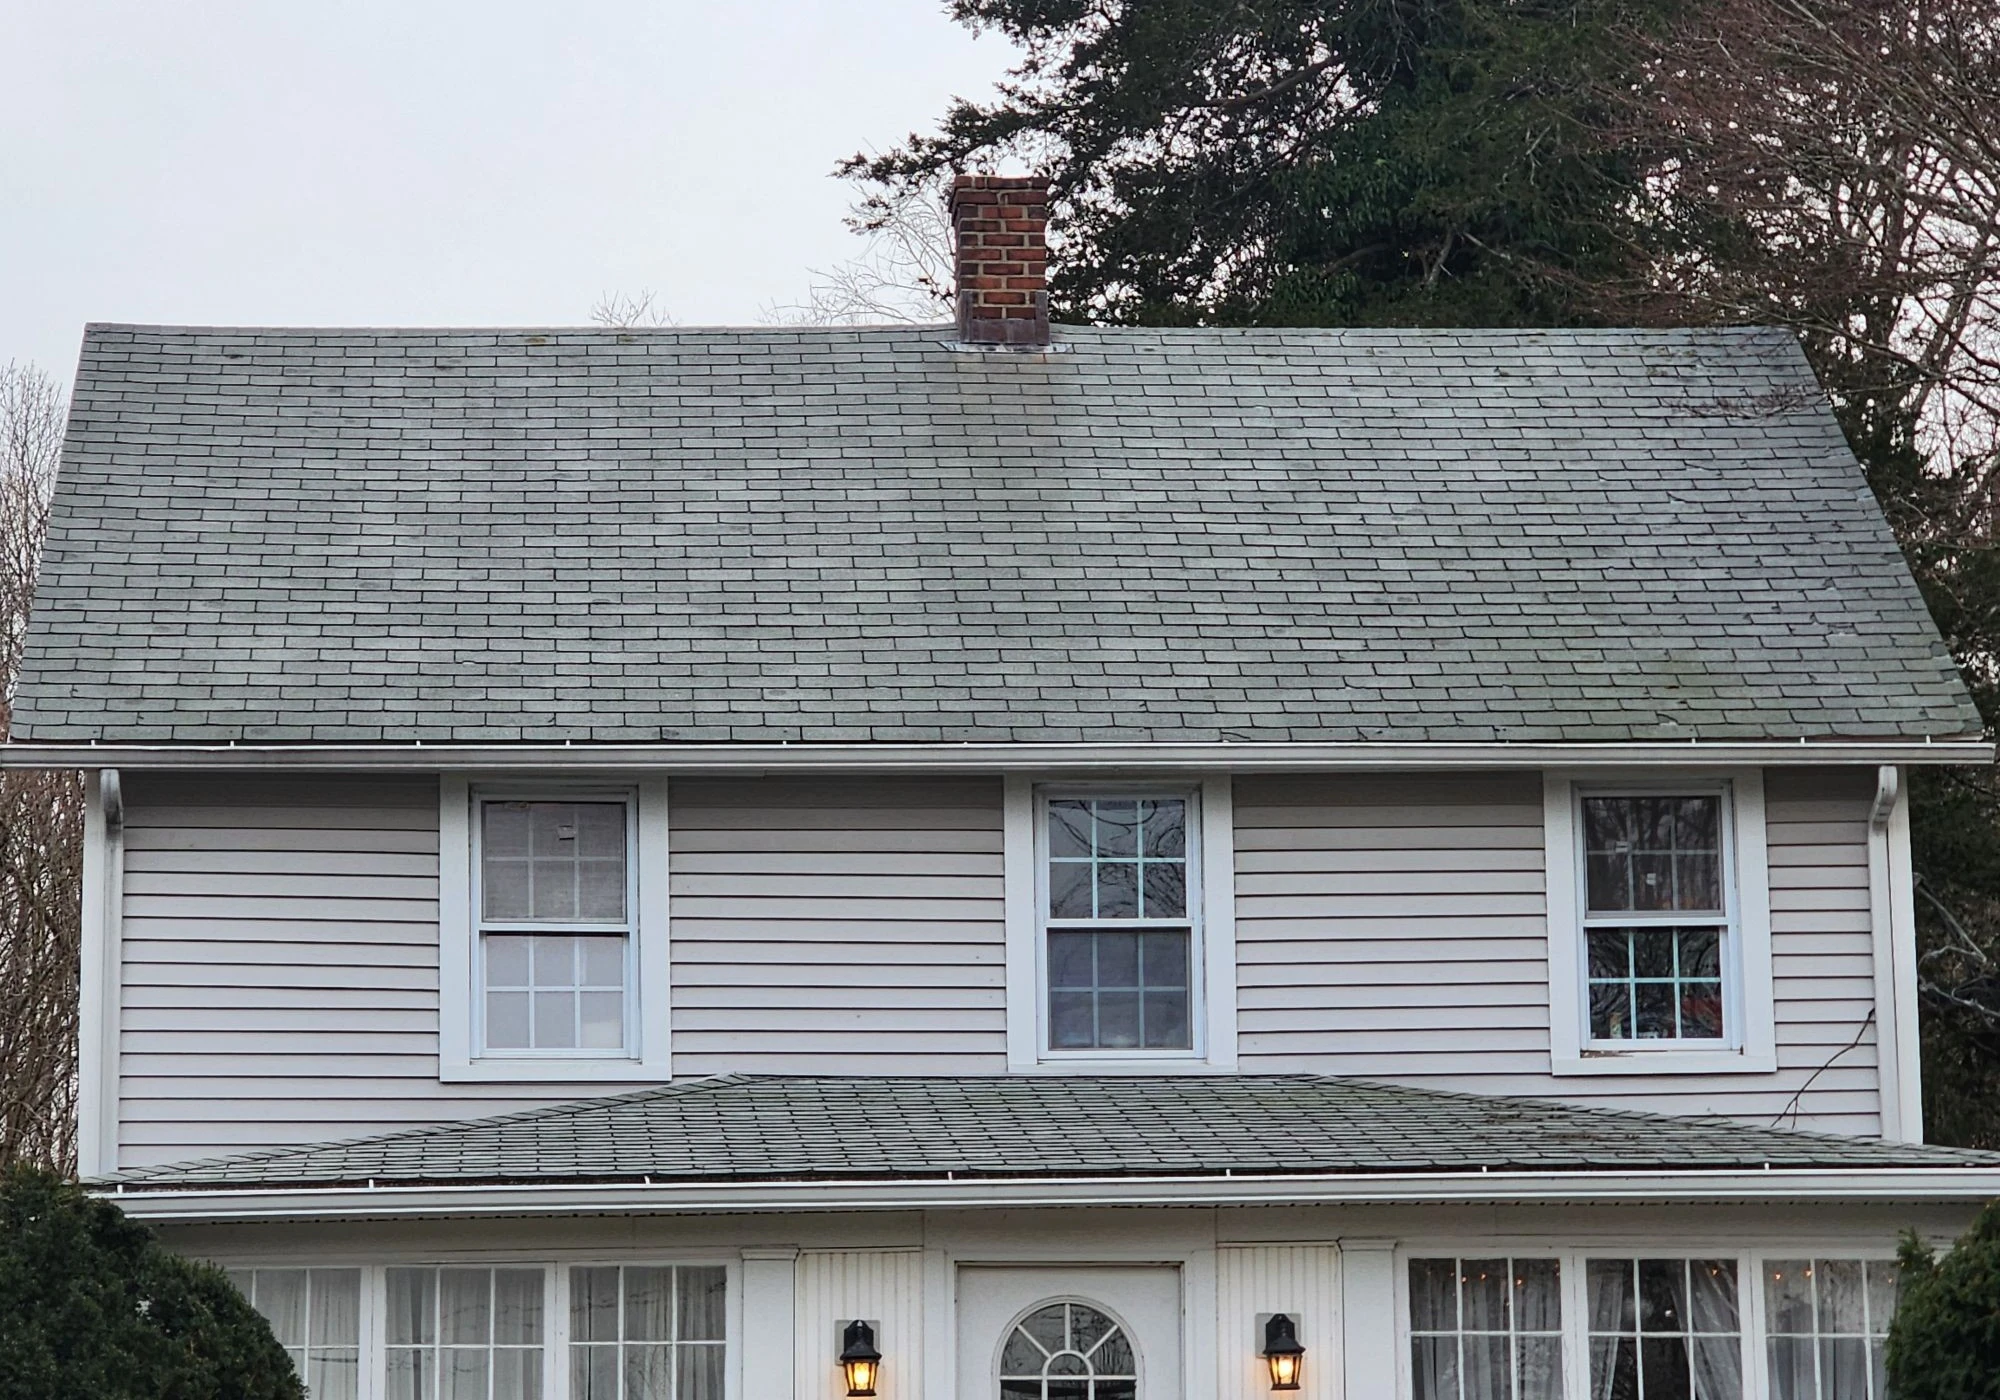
(1068, 1351)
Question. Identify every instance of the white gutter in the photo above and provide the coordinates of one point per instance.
(1902, 1184)
(989, 758)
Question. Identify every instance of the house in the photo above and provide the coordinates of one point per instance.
(1065, 863)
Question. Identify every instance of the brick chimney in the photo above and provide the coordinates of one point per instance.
(999, 228)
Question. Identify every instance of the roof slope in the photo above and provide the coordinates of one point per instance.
(835, 534)
(751, 1127)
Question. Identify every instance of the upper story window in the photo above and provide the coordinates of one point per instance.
(1120, 926)
(1120, 937)
(1659, 926)
(1655, 914)
(554, 906)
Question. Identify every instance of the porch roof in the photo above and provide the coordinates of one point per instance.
(748, 1128)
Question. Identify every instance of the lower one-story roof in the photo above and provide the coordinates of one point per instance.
(884, 1134)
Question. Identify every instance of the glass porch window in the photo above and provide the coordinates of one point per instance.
(1664, 1329)
(1656, 916)
(1486, 1329)
(464, 1334)
(316, 1316)
(646, 1333)
(1826, 1322)
(1120, 935)
(555, 925)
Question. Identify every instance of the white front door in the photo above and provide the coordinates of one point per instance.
(1040, 1332)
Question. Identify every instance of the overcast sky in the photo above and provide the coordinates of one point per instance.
(441, 162)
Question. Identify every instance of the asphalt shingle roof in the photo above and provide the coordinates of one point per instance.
(751, 1127)
(857, 535)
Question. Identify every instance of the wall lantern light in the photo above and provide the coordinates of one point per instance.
(859, 1359)
(1282, 1352)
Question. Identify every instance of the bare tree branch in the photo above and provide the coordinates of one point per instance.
(41, 818)
(903, 275)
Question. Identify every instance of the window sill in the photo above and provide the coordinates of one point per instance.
(578, 1070)
(1653, 1062)
(1122, 1064)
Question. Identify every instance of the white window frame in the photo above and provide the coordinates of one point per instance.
(1212, 929)
(1749, 1031)
(646, 1056)
(1750, 1310)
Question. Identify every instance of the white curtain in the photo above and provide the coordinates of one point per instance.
(1613, 1302)
(1716, 1363)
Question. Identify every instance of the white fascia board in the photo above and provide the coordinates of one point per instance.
(1042, 759)
(1904, 1185)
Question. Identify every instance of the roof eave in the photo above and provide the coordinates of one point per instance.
(1945, 1185)
(1077, 758)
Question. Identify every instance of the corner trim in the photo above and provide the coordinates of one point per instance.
(101, 983)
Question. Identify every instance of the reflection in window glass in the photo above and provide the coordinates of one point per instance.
(1655, 983)
(1068, 1351)
(554, 928)
(1118, 858)
(316, 1316)
(1118, 991)
(646, 1332)
(1656, 927)
(1826, 1322)
(1486, 1329)
(1664, 1329)
(1120, 942)
(1653, 853)
(464, 1334)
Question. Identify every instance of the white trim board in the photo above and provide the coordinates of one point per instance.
(100, 985)
(1047, 759)
(1900, 1185)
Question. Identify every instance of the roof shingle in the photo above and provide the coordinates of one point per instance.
(857, 535)
(750, 1127)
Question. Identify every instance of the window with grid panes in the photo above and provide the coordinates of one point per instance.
(643, 1332)
(1119, 923)
(464, 1334)
(1486, 1329)
(1664, 1329)
(1655, 914)
(1826, 1322)
(316, 1316)
(555, 925)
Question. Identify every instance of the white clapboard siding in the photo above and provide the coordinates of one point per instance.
(1300, 1280)
(883, 1287)
(850, 926)
(1394, 927)
(280, 966)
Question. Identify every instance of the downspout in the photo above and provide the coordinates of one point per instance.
(100, 984)
(1894, 948)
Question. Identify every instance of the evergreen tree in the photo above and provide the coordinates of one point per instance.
(1300, 162)
(91, 1304)
(1945, 1341)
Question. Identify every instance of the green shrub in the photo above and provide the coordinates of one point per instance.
(92, 1304)
(1945, 1341)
